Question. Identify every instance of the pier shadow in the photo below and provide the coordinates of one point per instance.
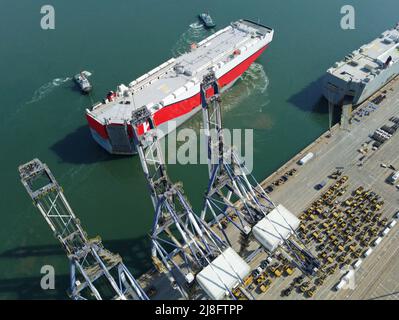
(135, 252)
(78, 147)
(310, 98)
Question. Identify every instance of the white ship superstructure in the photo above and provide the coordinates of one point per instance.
(364, 71)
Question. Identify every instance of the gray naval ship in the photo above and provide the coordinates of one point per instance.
(364, 71)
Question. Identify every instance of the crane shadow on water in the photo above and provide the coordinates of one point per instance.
(134, 252)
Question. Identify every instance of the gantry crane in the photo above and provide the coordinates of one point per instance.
(95, 272)
(233, 194)
(182, 243)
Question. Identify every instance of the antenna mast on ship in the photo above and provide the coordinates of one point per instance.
(94, 271)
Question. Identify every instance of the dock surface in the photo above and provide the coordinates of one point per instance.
(378, 275)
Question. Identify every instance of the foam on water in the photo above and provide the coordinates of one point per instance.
(253, 82)
(251, 85)
(195, 33)
(48, 87)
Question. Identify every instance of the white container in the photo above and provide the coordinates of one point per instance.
(377, 241)
(306, 158)
(368, 252)
(340, 285)
(392, 224)
(386, 231)
(357, 264)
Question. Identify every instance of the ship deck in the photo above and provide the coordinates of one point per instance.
(370, 58)
(163, 81)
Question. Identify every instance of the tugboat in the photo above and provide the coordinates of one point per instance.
(83, 82)
(206, 20)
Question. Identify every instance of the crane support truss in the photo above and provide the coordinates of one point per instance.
(95, 272)
(182, 243)
(233, 194)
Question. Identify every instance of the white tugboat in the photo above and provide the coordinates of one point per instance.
(83, 82)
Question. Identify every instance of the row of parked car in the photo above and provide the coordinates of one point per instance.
(384, 133)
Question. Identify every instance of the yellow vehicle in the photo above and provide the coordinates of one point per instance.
(359, 190)
(340, 248)
(333, 237)
(352, 248)
(277, 273)
(330, 260)
(336, 215)
(248, 281)
(325, 225)
(260, 279)
(349, 202)
(265, 286)
(315, 235)
(310, 292)
(304, 286)
(237, 292)
(288, 270)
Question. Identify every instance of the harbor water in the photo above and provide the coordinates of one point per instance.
(42, 112)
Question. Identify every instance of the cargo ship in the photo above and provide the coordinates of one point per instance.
(171, 91)
(364, 71)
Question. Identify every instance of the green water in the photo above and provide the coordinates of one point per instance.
(42, 113)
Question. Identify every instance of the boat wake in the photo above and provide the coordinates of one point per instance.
(251, 86)
(45, 89)
(195, 33)
(253, 83)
